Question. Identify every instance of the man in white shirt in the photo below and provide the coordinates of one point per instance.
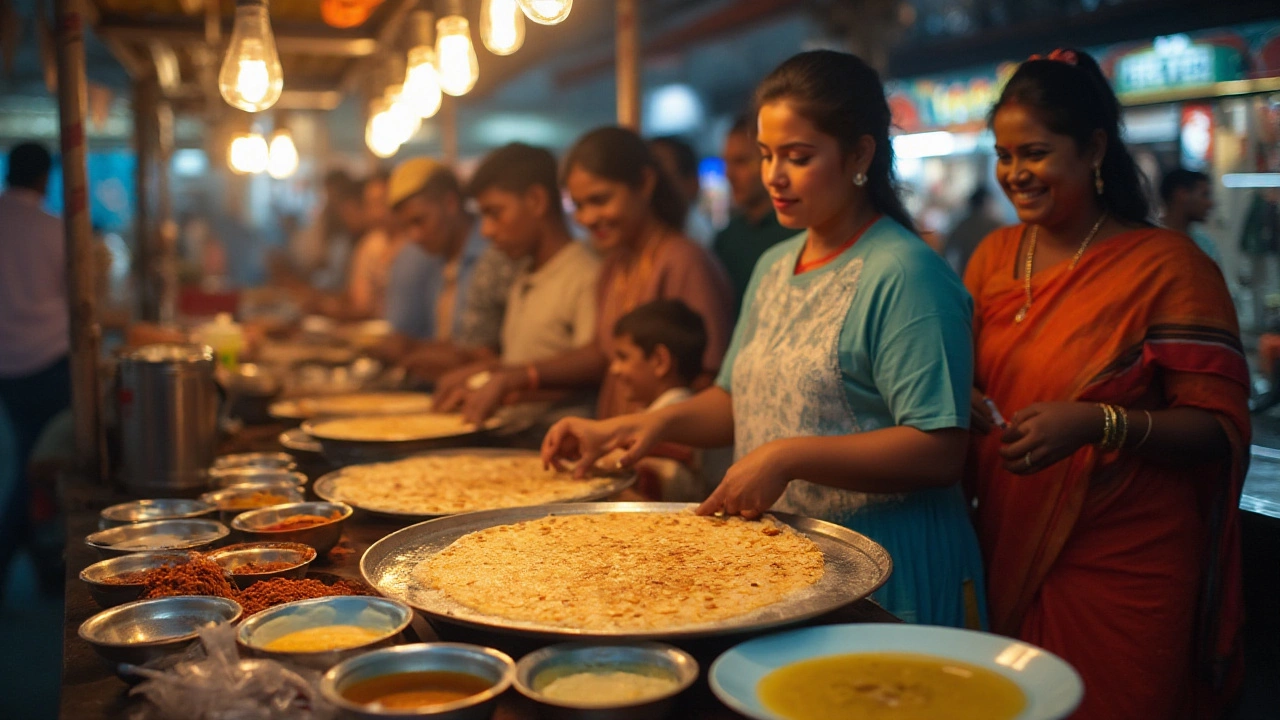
(551, 307)
(35, 336)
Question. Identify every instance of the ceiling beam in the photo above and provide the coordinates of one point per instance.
(299, 44)
(733, 16)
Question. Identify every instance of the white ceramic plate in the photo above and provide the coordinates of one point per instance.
(1052, 687)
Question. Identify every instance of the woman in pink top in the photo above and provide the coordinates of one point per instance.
(633, 213)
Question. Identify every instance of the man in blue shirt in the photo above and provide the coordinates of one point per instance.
(447, 289)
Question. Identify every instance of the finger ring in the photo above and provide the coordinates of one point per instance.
(1027, 460)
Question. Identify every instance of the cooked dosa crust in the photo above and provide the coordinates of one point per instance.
(625, 571)
(447, 484)
(390, 428)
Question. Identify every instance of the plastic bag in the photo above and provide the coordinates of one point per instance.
(213, 683)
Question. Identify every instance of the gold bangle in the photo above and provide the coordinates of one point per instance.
(1150, 421)
(1108, 426)
(1124, 427)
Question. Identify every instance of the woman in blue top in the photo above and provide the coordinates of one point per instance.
(846, 386)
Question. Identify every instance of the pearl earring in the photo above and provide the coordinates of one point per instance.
(860, 179)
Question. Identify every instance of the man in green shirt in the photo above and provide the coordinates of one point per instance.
(754, 227)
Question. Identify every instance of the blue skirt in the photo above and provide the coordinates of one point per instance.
(937, 567)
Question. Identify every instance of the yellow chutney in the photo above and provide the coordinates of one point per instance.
(326, 637)
(889, 686)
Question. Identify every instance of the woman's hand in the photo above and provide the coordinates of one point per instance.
(752, 485)
(586, 441)
(481, 403)
(981, 419)
(1041, 434)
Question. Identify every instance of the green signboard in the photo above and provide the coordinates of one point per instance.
(1175, 63)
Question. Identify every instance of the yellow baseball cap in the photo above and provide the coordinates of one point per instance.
(411, 176)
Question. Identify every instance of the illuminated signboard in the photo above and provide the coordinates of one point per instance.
(1175, 62)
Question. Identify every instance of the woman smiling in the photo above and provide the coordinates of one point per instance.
(1107, 506)
(845, 390)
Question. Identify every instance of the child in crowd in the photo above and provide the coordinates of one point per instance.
(658, 349)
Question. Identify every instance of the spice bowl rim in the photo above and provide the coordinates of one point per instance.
(252, 623)
(217, 532)
(238, 523)
(308, 553)
(329, 682)
(109, 615)
(684, 668)
(108, 516)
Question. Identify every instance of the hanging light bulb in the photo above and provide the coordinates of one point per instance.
(250, 78)
(459, 69)
(422, 81)
(546, 12)
(282, 155)
(501, 26)
(381, 133)
(248, 154)
(405, 120)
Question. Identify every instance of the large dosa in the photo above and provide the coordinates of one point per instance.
(447, 484)
(392, 428)
(625, 571)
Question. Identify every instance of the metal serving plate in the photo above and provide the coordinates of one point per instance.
(326, 486)
(295, 408)
(341, 451)
(298, 441)
(855, 566)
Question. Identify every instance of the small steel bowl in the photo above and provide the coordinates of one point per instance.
(194, 535)
(148, 510)
(144, 630)
(322, 537)
(109, 594)
(257, 460)
(387, 617)
(222, 499)
(233, 557)
(485, 663)
(238, 476)
(537, 669)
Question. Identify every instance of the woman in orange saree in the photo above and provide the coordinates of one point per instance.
(1117, 550)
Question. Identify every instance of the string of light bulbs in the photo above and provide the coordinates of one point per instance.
(251, 78)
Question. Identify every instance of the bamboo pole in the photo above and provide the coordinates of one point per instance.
(82, 298)
(145, 97)
(627, 29)
(449, 132)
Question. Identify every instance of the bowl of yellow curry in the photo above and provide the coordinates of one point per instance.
(323, 632)
(894, 672)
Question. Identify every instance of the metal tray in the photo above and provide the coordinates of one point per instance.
(290, 409)
(343, 452)
(324, 486)
(297, 440)
(855, 566)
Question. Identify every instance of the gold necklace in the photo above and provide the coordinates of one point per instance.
(1031, 258)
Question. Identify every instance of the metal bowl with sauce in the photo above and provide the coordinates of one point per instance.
(236, 559)
(384, 619)
(232, 500)
(157, 535)
(148, 510)
(103, 577)
(540, 668)
(239, 476)
(486, 664)
(144, 630)
(253, 524)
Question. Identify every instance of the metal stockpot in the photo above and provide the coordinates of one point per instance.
(168, 403)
